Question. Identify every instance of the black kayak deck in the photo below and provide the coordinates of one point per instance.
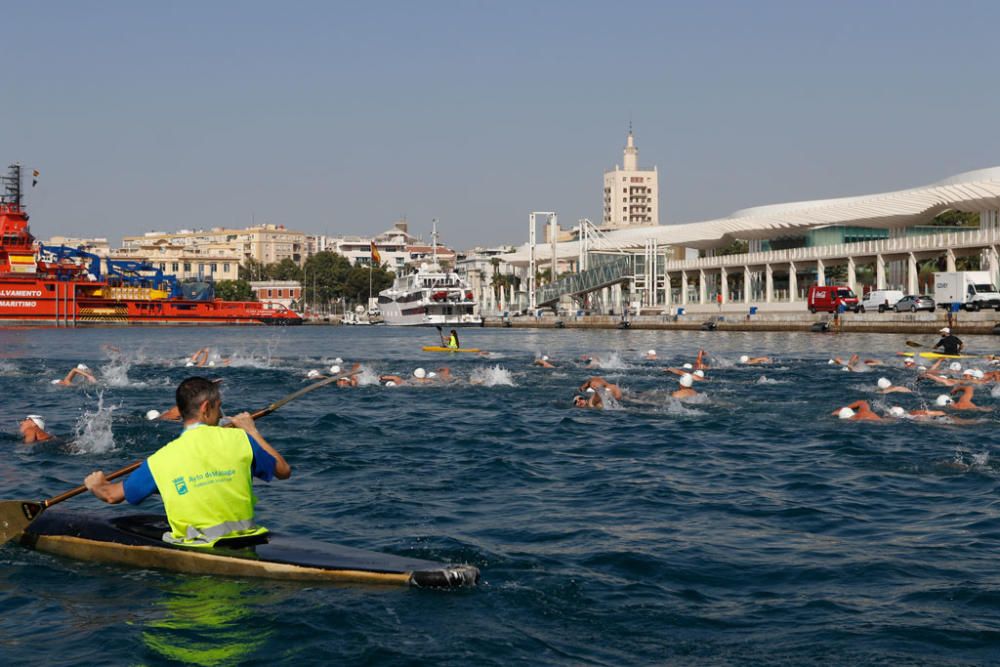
(135, 539)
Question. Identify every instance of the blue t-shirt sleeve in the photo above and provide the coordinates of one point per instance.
(263, 463)
(140, 484)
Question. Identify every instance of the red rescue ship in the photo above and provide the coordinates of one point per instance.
(62, 286)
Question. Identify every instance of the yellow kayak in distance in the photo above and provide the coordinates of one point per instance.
(439, 348)
(939, 355)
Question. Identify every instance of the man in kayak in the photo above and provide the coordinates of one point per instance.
(205, 476)
(32, 429)
(949, 344)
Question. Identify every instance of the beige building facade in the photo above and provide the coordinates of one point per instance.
(263, 243)
(183, 261)
(631, 195)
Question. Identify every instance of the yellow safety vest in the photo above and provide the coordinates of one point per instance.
(453, 342)
(204, 478)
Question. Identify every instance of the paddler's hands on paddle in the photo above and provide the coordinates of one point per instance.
(110, 492)
(245, 421)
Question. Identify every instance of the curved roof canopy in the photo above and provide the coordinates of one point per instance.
(971, 191)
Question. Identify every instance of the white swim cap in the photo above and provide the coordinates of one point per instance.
(338, 360)
(313, 374)
(845, 413)
(908, 362)
(38, 420)
(153, 414)
(56, 381)
(831, 362)
(545, 357)
(700, 373)
(978, 374)
(968, 371)
(921, 368)
(82, 367)
(687, 367)
(651, 353)
(211, 363)
(943, 400)
(390, 383)
(897, 411)
(884, 383)
(420, 373)
(744, 358)
(687, 380)
(845, 368)
(432, 374)
(190, 363)
(955, 366)
(334, 369)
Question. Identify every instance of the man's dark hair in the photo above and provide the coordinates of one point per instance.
(192, 393)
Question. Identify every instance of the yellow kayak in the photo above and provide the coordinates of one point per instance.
(938, 355)
(438, 348)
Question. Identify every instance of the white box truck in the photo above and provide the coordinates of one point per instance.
(971, 290)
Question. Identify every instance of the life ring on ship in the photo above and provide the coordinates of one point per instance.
(439, 296)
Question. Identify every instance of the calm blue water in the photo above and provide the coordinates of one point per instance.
(751, 527)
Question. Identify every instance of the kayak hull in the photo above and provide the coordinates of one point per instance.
(438, 348)
(134, 541)
(939, 355)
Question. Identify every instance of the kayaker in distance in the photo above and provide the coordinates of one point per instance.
(949, 344)
(32, 429)
(453, 340)
(204, 476)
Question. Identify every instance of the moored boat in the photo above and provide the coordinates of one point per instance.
(135, 540)
(61, 286)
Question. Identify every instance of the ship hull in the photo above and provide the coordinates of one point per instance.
(58, 303)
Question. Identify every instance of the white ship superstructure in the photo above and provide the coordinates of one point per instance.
(429, 296)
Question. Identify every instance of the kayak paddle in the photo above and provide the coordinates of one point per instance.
(913, 343)
(16, 515)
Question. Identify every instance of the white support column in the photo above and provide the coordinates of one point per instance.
(667, 296)
(793, 282)
(911, 274)
(684, 288)
(747, 282)
(852, 274)
(702, 287)
(949, 258)
(992, 263)
(532, 266)
(879, 272)
(768, 284)
(820, 273)
(724, 284)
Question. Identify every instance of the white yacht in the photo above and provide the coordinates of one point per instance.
(432, 295)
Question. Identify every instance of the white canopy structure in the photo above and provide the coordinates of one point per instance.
(973, 191)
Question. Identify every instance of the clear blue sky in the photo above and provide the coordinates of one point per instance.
(340, 117)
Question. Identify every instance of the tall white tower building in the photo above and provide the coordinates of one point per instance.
(631, 195)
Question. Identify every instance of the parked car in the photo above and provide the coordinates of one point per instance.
(911, 303)
(881, 299)
(830, 297)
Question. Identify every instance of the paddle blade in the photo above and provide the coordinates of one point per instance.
(913, 343)
(15, 516)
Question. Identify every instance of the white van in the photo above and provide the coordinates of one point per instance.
(880, 300)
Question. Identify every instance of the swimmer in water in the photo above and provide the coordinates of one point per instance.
(591, 400)
(885, 386)
(543, 361)
(651, 355)
(81, 371)
(747, 360)
(696, 375)
(391, 380)
(420, 376)
(444, 375)
(965, 400)
(203, 358)
(597, 383)
(857, 411)
(701, 361)
(685, 391)
(171, 415)
(32, 430)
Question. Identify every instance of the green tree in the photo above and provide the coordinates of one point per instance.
(734, 248)
(956, 219)
(233, 290)
(286, 269)
(325, 275)
(251, 269)
(355, 288)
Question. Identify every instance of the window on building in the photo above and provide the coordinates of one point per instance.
(213, 267)
(174, 267)
(163, 266)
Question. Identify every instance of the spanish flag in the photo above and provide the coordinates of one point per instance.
(376, 258)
